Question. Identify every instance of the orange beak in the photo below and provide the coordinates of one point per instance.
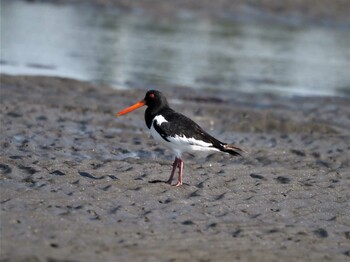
(131, 108)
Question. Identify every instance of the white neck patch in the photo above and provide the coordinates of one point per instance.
(160, 119)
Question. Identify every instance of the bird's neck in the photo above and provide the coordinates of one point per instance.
(150, 113)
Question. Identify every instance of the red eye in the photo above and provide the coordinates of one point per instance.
(151, 95)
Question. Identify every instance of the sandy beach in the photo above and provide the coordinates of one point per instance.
(78, 184)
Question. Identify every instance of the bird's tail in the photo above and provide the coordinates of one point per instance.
(233, 150)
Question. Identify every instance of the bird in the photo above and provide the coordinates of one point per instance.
(176, 131)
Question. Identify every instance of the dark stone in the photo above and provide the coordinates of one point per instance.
(54, 245)
(41, 118)
(283, 179)
(106, 188)
(188, 222)
(219, 197)
(28, 169)
(297, 152)
(194, 194)
(321, 233)
(256, 176)
(58, 173)
(87, 175)
(16, 157)
(237, 233)
(5, 169)
(14, 114)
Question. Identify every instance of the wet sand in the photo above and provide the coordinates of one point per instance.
(78, 184)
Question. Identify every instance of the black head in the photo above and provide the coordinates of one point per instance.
(155, 100)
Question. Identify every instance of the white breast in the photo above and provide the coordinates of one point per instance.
(159, 120)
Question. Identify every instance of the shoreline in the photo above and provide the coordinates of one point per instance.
(290, 12)
(79, 184)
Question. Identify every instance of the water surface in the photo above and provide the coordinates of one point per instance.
(107, 46)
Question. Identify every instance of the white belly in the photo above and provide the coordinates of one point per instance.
(182, 144)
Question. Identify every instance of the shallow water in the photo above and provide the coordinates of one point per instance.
(107, 46)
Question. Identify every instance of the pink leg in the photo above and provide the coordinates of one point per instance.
(180, 166)
(175, 165)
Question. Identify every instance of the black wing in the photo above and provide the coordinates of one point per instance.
(181, 125)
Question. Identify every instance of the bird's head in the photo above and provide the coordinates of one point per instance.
(153, 100)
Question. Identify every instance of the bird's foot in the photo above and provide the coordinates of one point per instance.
(179, 183)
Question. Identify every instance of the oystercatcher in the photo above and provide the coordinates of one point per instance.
(177, 131)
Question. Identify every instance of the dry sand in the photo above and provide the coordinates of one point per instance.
(77, 184)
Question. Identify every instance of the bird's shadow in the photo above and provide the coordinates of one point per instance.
(157, 181)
